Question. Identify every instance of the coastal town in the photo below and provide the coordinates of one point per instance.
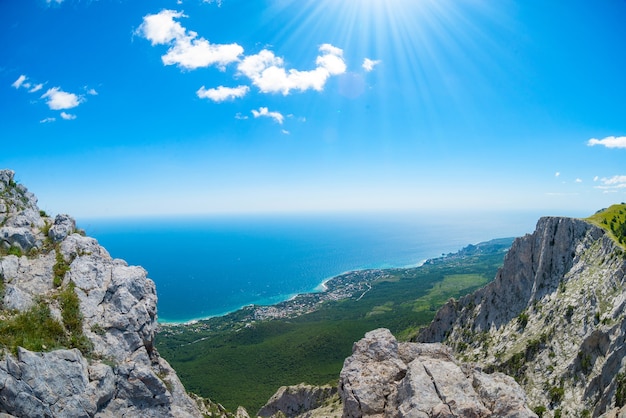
(353, 284)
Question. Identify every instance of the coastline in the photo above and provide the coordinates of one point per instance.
(355, 283)
(342, 286)
(321, 293)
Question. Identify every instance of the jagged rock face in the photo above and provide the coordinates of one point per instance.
(19, 215)
(384, 378)
(123, 374)
(293, 401)
(553, 317)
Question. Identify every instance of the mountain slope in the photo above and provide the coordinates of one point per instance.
(553, 318)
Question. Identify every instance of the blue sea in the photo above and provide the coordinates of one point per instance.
(212, 265)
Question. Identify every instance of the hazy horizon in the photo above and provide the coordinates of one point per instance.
(189, 107)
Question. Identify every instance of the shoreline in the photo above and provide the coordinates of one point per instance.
(341, 286)
(351, 284)
(320, 290)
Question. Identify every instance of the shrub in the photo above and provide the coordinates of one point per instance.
(556, 394)
(14, 250)
(522, 320)
(34, 329)
(70, 309)
(60, 268)
(73, 319)
(620, 391)
(540, 410)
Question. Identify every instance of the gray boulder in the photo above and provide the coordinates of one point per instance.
(63, 226)
(384, 378)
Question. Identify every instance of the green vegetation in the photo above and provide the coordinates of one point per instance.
(60, 268)
(522, 320)
(243, 362)
(515, 365)
(14, 250)
(540, 410)
(450, 285)
(556, 394)
(613, 220)
(620, 391)
(34, 329)
(37, 330)
(73, 319)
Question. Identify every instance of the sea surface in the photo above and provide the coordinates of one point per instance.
(212, 265)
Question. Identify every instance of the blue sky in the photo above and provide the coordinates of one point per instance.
(119, 107)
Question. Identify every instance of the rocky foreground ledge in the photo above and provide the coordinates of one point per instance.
(93, 354)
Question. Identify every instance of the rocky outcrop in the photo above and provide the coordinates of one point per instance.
(384, 378)
(118, 373)
(553, 318)
(293, 401)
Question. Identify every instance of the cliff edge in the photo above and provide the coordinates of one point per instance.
(554, 318)
(76, 326)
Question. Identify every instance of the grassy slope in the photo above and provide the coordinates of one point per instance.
(613, 220)
(246, 364)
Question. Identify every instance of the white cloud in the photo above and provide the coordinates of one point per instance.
(47, 120)
(54, 1)
(190, 53)
(618, 181)
(91, 92)
(578, 180)
(68, 116)
(263, 111)
(609, 142)
(36, 88)
(218, 2)
(186, 50)
(240, 116)
(368, 64)
(557, 174)
(161, 27)
(615, 182)
(285, 132)
(267, 71)
(18, 83)
(59, 99)
(596, 178)
(222, 93)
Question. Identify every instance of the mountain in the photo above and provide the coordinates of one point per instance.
(554, 317)
(76, 326)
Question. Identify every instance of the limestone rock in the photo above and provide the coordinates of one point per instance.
(384, 378)
(124, 376)
(296, 400)
(553, 317)
(63, 226)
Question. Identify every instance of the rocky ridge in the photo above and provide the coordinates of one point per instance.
(554, 318)
(105, 364)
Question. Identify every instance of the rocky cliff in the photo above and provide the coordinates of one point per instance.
(76, 326)
(553, 318)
